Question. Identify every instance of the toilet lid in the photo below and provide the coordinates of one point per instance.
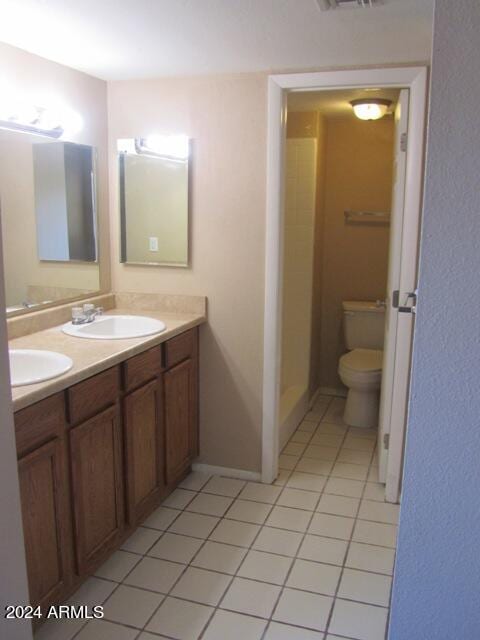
(363, 360)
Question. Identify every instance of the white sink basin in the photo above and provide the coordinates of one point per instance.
(28, 366)
(115, 328)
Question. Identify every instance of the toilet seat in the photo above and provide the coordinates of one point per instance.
(362, 365)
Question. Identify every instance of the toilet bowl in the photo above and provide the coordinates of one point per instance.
(361, 371)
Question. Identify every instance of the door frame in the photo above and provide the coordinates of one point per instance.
(412, 78)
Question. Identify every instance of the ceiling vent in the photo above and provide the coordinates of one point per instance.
(348, 4)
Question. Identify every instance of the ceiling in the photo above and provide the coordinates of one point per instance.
(336, 103)
(126, 39)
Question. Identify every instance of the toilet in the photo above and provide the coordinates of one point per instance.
(360, 369)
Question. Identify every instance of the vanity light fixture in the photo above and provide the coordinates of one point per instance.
(53, 121)
(175, 147)
(370, 108)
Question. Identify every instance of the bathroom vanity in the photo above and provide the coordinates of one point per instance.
(96, 457)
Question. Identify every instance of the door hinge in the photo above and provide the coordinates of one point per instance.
(410, 296)
(403, 141)
(386, 440)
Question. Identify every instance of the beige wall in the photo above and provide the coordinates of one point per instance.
(86, 95)
(226, 118)
(358, 176)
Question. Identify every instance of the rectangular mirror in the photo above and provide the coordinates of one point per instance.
(154, 178)
(49, 220)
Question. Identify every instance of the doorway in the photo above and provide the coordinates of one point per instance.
(394, 416)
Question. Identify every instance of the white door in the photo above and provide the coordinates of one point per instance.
(398, 326)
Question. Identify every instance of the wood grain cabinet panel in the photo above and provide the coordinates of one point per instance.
(45, 523)
(179, 418)
(97, 487)
(143, 425)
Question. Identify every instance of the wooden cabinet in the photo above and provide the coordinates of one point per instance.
(97, 487)
(45, 523)
(144, 449)
(181, 404)
(97, 458)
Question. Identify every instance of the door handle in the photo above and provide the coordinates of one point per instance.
(405, 308)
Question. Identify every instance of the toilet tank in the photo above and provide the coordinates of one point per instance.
(363, 325)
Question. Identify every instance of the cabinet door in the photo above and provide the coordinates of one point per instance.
(45, 512)
(144, 449)
(180, 403)
(97, 487)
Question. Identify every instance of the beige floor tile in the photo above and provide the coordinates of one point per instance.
(59, 629)
(260, 492)
(298, 499)
(247, 511)
(303, 609)
(350, 471)
(179, 499)
(360, 621)
(291, 519)
(287, 463)
(250, 597)
(354, 457)
(92, 592)
(209, 504)
(219, 557)
(294, 449)
(361, 586)
(338, 505)
(156, 575)
(334, 413)
(330, 526)
(325, 550)
(281, 631)
(313, 576)
(383, 535)
(379, 512)
(374, 491)
(233, 532)
(194, 524)
(358, 432)
(103, 630)
(344, 487)
(199, 585)
(307, 481)
(302, 437)
(282, 477)
(332, 429)
(195, 481)
(266, 567)
(141, 540)
(118, 566)
(161, 519)
(321, 452)
(370, 558)
(359, 444)
(229, 487)
(234, 626)
(278, 541)
(131, 606)
(176, 548)
(180, 619)
(308, 425)
(327, 439)
(312, 465)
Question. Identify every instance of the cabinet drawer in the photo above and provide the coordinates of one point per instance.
(39, 423)
(180, 348)
(142, 368)
(89, 397)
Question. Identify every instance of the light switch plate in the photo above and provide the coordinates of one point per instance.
(153, 244)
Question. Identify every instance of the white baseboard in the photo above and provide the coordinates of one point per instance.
(228, 472)
(293, 418)
(333, 391)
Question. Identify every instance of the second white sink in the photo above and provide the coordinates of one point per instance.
(115, 328)
(28, 366)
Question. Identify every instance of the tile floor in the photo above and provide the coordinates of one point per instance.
(307, 558)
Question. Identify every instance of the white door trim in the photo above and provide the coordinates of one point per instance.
(413, 78)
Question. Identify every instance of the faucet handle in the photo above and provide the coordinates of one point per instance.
(99, 311)
(77, 315)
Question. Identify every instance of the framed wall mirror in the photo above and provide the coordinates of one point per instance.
(49, 220)
(154, 200)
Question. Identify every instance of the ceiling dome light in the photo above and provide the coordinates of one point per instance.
(370, 108)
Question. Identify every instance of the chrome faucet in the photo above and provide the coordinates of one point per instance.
(85, 314)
